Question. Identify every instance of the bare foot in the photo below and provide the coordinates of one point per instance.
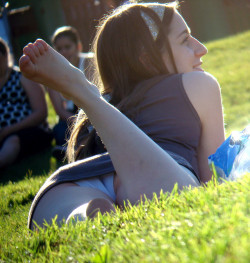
(41, 63)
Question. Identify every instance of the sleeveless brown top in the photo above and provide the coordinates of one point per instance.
(167, 116)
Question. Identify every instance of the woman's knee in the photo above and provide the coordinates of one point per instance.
(9, 150)
(13, 141)
(63, 200)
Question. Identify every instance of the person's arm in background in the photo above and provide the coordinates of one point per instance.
(58, 104)
(38, 105)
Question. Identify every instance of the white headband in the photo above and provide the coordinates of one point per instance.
(153, 28)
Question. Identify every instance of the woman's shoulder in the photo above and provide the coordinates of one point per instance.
(85, 63)
(162, 80)
(86, 55)
(196, 81)
(201, 82)
(203, 91)
(14, 71)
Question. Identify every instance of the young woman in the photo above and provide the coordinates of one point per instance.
(151, 64)
(23, 113)
(67, 42)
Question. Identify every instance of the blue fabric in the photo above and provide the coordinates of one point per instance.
(223, 159)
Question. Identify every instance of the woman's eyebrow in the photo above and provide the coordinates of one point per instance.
(186, 31)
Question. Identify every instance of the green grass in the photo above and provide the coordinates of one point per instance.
(229, 61)
(201, 225)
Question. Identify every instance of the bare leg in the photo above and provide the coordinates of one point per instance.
(38, 63)
(142, 166)
(91, 209)
(9, 151)
(57, 202)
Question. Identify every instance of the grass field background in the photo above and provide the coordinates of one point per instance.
(201, 225)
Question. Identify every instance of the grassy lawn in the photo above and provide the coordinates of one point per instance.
(200, 225)
(229, 61)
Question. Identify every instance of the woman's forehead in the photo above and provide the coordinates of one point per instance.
(63, 39)
(178, 26)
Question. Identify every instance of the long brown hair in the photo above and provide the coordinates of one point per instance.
(126, 54)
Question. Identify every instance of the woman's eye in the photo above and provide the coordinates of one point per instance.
(185, 40)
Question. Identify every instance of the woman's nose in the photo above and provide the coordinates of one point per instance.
(200, 49)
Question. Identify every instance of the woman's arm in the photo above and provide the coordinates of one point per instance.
(38, 104)
(204, 93)
(57, 102)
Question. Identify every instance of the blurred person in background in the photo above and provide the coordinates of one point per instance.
(23, 112)
(67, 42)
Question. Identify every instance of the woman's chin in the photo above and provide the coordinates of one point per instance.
(198, 69)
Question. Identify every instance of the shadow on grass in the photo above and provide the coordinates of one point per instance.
(38, 164)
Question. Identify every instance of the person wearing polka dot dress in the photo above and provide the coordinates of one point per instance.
(23, 113)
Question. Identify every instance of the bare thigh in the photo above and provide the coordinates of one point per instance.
(9, 150)
(188, 179)
(61, 200)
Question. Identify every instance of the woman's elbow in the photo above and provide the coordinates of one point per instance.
(41, 114)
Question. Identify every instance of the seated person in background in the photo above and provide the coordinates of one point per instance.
(67, 42)
(23, 112)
